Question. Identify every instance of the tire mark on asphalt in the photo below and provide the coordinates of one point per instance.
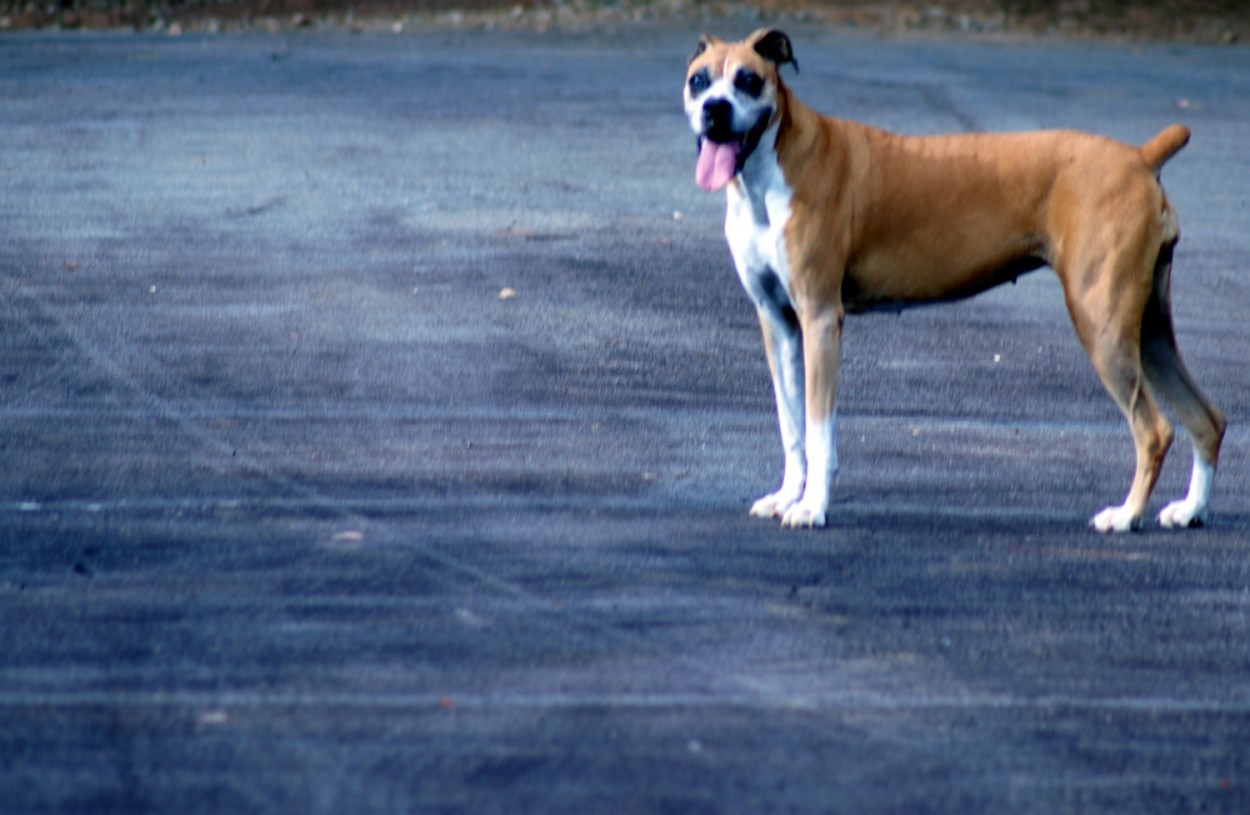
(418, 413)
(166, 410)
(187, 421)
(367, 510)
(851, 701)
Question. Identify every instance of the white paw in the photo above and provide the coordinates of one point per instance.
(775, 505)
(1114, 519)
(1192, 509)
(803, 516)
(1182, 514)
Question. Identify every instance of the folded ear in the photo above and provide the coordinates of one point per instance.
(774, 46)
(705, 42)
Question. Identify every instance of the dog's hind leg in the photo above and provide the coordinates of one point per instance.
(1106, 304)
(1124, 378)
(1167, 374)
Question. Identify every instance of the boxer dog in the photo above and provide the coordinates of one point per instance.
(827, 216)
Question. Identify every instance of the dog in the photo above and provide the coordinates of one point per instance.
(827, 217)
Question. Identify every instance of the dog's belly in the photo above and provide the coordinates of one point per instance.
(894, 280)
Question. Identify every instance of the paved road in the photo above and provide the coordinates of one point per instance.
(298, 515)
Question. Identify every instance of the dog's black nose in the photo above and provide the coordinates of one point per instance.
(718, 120)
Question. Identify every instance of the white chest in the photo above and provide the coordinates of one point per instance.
(757, 211)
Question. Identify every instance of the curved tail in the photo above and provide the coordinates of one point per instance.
(1166, 144)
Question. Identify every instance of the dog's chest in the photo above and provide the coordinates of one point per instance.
(756, 216)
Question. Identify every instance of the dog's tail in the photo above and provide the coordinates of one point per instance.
(1165, 145)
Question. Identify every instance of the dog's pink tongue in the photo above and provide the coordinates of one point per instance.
(717, 165)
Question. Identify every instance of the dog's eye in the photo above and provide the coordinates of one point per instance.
(749, 82)
(699, 83)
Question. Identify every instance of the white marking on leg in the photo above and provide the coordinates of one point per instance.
(788, 390)
(822, 467)
(1192, 509)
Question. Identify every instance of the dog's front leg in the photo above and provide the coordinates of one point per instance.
(822, 342)
(783, 346)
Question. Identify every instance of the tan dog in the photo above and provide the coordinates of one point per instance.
(827, 216)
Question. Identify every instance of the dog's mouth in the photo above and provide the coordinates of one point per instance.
(721, 158)
(718, 163)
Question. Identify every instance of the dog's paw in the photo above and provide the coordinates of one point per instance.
(1182, 514)
(802, 516)
(1114, 519)
(775, 505)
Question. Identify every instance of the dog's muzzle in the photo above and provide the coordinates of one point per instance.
(722, 149)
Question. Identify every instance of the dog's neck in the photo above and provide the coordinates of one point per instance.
(761, 173)
(757, 170)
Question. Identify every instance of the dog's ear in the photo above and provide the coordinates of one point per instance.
(705, 42)
(775, 47)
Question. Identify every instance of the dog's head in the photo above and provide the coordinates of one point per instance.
(732, 98)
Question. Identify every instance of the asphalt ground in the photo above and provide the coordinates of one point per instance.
(299, 514)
